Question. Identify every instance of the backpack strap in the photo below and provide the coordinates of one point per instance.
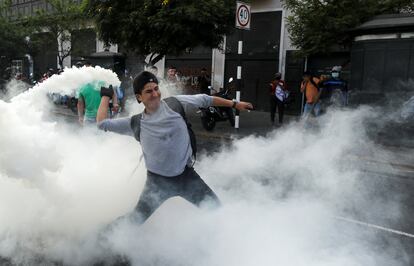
(176, 106)
(313, 83)
(136, 126)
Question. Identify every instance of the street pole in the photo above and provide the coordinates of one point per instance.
(239, 76)
(242, 23)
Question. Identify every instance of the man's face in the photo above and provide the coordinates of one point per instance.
(171, 72)
(150, 96)
(335, 74)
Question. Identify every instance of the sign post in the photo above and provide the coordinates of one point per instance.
(243, 18)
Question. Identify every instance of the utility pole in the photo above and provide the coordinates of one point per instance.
(242, 23)
(239, 76)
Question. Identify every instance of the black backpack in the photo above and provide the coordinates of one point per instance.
(176, 106)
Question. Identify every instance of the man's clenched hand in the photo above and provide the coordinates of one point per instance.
(109, 92)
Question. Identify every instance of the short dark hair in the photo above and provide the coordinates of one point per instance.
(172, 67)
(143, 78)
(278, 76)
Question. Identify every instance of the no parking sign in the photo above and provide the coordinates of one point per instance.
(243, 16)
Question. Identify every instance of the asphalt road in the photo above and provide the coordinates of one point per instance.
(392, 182)
(394, 186)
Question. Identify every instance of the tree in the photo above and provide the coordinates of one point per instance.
(59, 21)
(318, 26)
(13, 40)
(161, 27)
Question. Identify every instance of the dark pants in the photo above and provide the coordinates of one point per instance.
(275, 102)
(158, 189)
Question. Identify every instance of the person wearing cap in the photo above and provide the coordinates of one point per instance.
(204, 82)
(165, 144)
(335, 88)
(310, 87)
(79, 64)
(278, 94)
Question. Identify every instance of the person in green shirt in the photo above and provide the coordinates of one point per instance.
(89, 99)
(88, 103)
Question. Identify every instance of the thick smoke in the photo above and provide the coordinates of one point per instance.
(61, 186)
(13, 88)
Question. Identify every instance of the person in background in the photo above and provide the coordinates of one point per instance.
(89, 99)
(172, 76)
(278, 94)
(310, 87)
(204, 82)
(336, 88)
(172, 81)
(124, 90)
(47, 75)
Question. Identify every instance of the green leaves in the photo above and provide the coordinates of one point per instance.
(13, 41)
(64, 18)
(163, 26)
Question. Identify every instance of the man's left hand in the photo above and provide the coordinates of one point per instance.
(244, 106)
(109, 92)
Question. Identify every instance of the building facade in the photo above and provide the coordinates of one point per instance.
(266, 50)
(382, 57)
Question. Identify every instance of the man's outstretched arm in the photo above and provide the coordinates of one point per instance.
(203, 101)
(120, 125)
(218, 101)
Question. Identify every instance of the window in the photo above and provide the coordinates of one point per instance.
(17, 67)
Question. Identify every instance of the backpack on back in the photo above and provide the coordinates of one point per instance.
(177, 107)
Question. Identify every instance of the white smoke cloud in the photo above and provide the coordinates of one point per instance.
(73, 78)
(13, 88)
(60, 186)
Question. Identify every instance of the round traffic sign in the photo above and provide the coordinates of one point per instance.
(243, 15)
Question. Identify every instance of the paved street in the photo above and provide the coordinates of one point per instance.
(392, 176)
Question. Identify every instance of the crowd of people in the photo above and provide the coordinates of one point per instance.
(318, 93)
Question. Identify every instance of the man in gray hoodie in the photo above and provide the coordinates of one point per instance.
(165, 143)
